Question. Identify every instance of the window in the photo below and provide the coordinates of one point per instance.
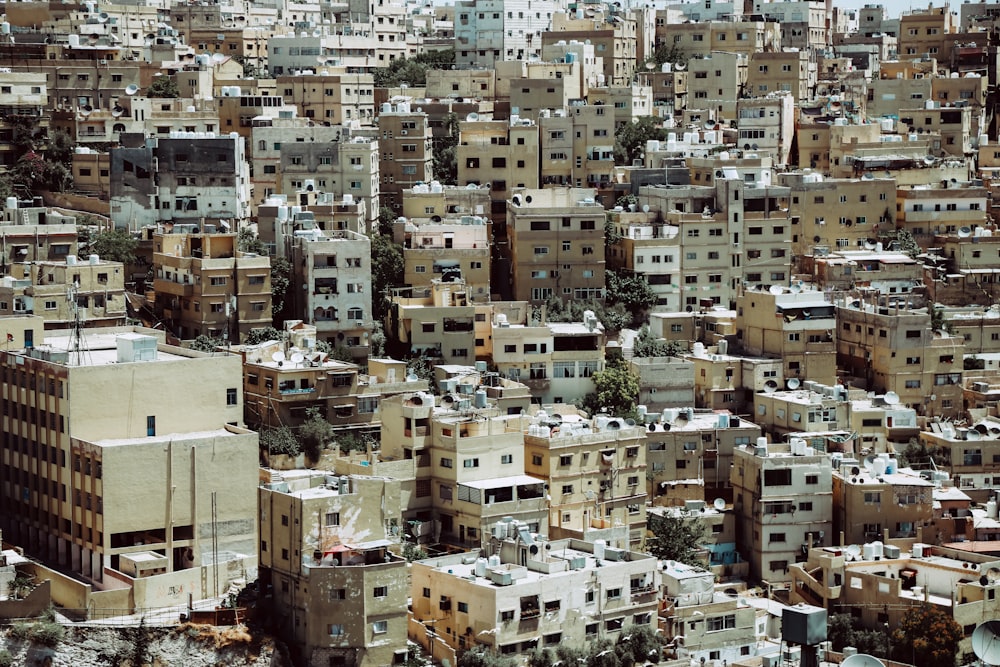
(380, 627)
(506, 458)
(614, 594)
(336, 630)
(151, 425)
(446, 463)
(383, 591)
(470, 463)
(231, 396)
(332, 519)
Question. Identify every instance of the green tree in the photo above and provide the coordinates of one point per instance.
(341, 353)
(60, 148)
(631, 138)
(617, 389)
(907, 243)
(376, 341)
(262, 335)
(387, 272)
(676, 538)
(667, 54)
(632, 291)
(423, 368)
(279, 440)
(205, 343)
(612, 239)
(314, 433)
(386, 217)
(163, 86)
(646, 345)
(480, 657)
(115, 245)
(641, 643)
(248, 241)
(927, 636)
(413, 71)
(445, 163)
(281, 281)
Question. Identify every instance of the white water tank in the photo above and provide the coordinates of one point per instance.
(12, 203)
(481, 567)
(868, 551)
(495, 559)
(991, 509)
(599, 546)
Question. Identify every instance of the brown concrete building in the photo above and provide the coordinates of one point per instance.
(407, 152)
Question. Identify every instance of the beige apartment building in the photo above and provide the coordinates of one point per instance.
(338, 589)
(470, 469)
(138, 427)
(783, 499)
(62, 293)
(35, 234)
(878, 503)
(204, 285)
(822, 146)
(688, 445)
(532, 594)
(555, 360)
(280, 388)
(498, 156)
(596, 474)
(330, 96)
(923, 33)
(795, 325)
(830, 215)
(934, 209)
(782, 71)
(716, 80)
(968, 459)
(25, 94)
(886, 349)
(455, 246)
(613, 34)
(556, 245)
(438, 321)
(404, 140)
(547, 85)
(767, 125)
(577, 145)
(702, 38)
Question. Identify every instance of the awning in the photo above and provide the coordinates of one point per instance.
(498, 482)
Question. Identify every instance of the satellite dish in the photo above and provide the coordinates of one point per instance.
(278, 356)
(117, 111)
(770, 387)
(775, 289)
(964, 232)
(131, 89)
(869, 245)
(793, 383)
(973, 434)
(795, 288)
(891, 398)
(853, 551)
(862, 660)
(218, 57)
(709, 124)
(630, 422)
(298, 358)
(645, 208)
(719, 504)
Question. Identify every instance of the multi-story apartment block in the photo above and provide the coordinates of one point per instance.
(30, 232)
(556, 244)
(26, 98)
(241, 110)
(290, 155)
(577, 145)
(205, 285)
(90, 292)
(470, 469)
(767, 124)
(783, 498)
(715, 81)
(436, 321)
(709, 623)
(332, 97)
(876, 503)
(887, 273)
(189, 179)
(502, 155)
(699, 39)
(325, 558)
(932, 209)
(966, 454)
(860, 206)
(455, 246)
(664, 382)
(611, 31)
(334, 269)
(652, 250)
(923, 32)
(669, 89)
(688, 444)
(487, 31)
(796, 325)
(138, 427)
(782, 71)
(406, 151)
(533, 594)
(815, 412)
(887, 349)
(805, 25)
(555, 360)
(596, 474)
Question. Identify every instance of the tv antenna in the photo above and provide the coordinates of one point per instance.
(78, 345)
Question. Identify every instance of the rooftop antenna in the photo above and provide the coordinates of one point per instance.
(78, 345)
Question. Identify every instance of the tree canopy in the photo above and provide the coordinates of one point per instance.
(646, 345)
(387, 272)
(617, 390)
(114, 245)
(632, 291)
(281, 280)
(413, 71)
(631, 138)
(163, 86)
(927, 636)
(676, 538)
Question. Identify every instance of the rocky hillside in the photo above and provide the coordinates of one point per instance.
(42, 644)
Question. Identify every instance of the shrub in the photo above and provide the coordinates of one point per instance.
(6, 659)
(20, 631)
(47, 633)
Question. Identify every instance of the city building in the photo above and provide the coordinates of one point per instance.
(138, 428)
(90, 292)
(325, 559)
(533, 594)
